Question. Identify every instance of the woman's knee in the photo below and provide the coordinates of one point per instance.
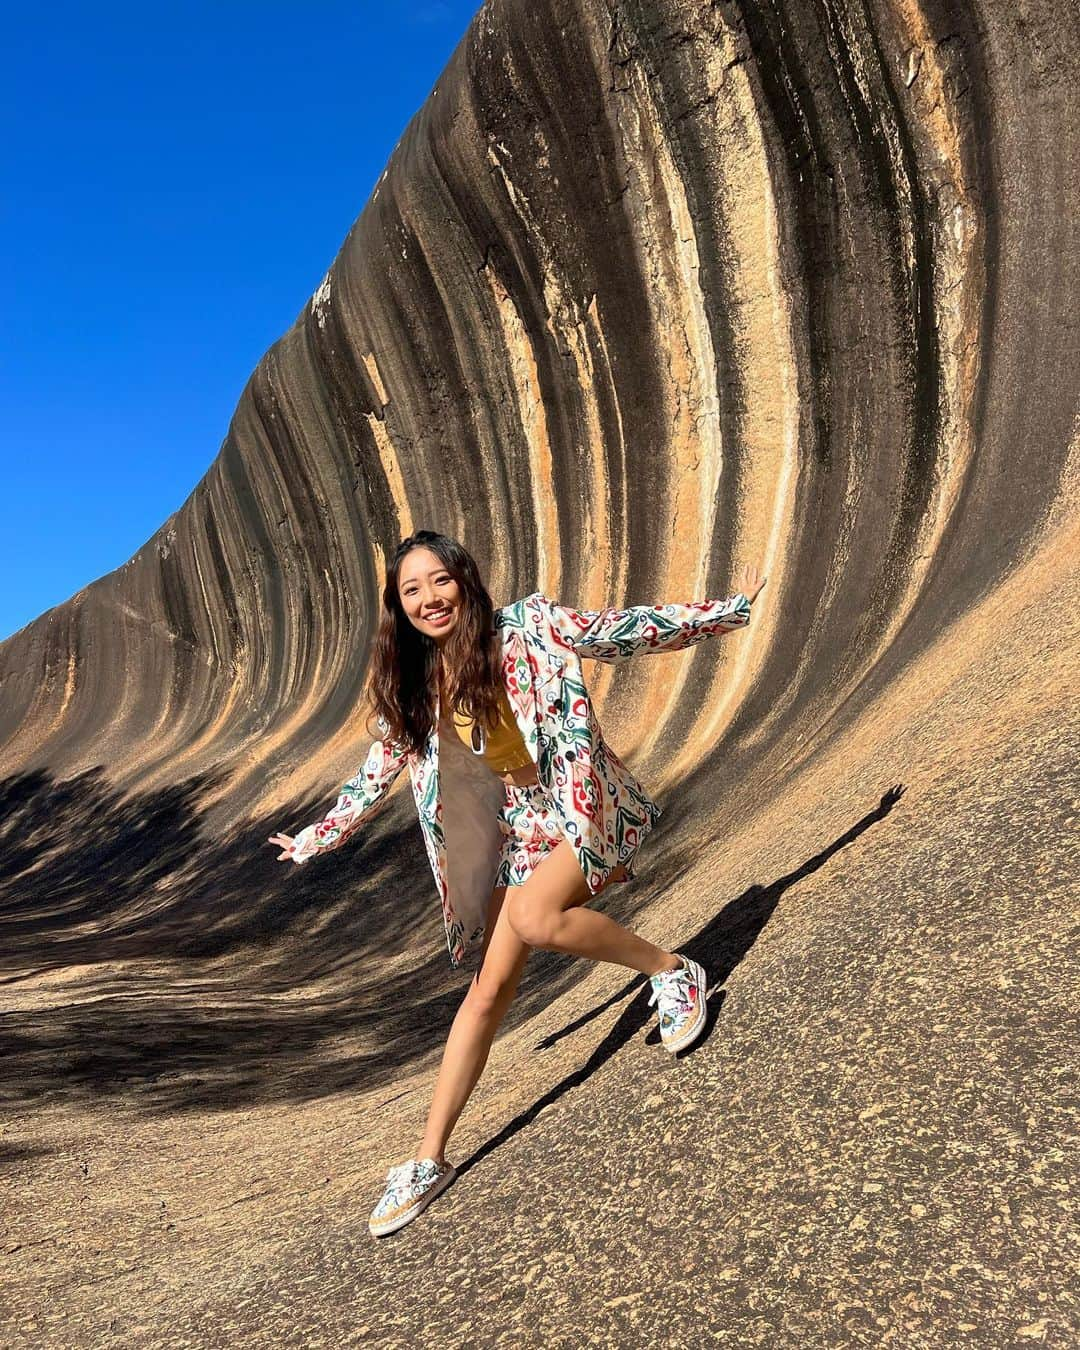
(533, 923)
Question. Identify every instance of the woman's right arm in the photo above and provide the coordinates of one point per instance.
(356, 802)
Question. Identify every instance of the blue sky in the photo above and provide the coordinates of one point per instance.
(176, 180)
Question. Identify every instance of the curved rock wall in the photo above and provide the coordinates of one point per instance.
(645, 291)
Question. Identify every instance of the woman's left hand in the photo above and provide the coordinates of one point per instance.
(752, 581)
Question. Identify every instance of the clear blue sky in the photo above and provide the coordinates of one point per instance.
(176, 180)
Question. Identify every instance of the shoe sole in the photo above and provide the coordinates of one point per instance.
(692, 1032)
(400, 1220)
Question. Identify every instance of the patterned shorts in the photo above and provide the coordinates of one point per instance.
(530, 829)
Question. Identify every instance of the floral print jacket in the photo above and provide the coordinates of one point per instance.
(604, 810)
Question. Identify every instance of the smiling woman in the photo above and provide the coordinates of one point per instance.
(506, 686)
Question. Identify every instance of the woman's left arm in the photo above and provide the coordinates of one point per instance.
(615, 635)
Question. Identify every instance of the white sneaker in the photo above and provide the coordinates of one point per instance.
(681, 995)
(411, 1187)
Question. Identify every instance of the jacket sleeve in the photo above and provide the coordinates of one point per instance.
(357, 802)
(617, 634)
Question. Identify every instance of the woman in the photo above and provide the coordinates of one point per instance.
(542, 808)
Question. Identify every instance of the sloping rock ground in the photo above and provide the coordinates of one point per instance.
(873, 1146)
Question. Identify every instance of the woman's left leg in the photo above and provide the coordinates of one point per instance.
(546, 911)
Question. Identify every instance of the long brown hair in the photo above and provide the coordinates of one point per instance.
(403, 679)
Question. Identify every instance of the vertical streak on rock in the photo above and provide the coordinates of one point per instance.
(594, 532)
(667, 243)
(957, 268)
(394, 479)
(532, 416)
(897, 198)
(610, 457)
(615, 483)
(768, 421)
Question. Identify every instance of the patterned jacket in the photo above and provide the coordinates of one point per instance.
(604, 811)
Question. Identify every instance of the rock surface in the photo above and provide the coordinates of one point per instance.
(644, 292)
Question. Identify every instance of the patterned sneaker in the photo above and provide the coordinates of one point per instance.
(411, 1187)
(682, 1003)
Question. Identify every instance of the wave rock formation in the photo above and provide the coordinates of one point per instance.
(645, 291)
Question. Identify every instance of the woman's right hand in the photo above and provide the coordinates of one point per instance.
(284, 841)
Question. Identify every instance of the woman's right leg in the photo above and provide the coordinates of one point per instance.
(502, 959)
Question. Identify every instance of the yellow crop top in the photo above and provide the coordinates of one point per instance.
(504, 748)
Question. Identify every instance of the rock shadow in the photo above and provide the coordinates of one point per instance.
(105, 897)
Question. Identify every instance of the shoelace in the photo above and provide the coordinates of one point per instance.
(668, 982)
(404, 1174)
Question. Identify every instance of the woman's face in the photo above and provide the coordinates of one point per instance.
(429, 594)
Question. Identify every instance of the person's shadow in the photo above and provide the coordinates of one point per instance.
(719, 946)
